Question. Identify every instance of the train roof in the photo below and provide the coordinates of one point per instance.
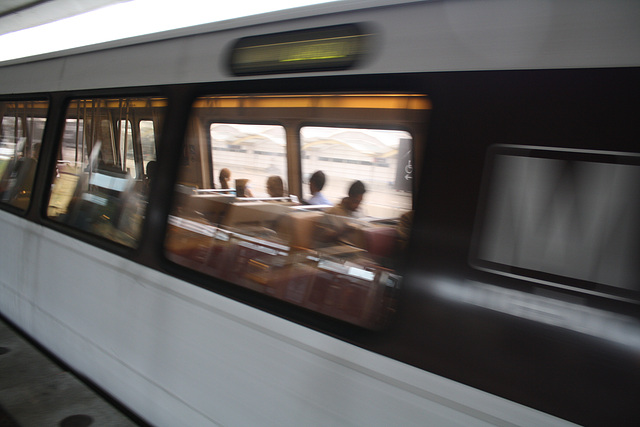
(340, 6)
(405, 36)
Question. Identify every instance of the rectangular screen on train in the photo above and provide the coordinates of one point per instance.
(317, 49)
(565, 216)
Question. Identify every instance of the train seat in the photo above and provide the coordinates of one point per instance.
(381, 242)
(212, 207)
(247, 214)
(299, 227)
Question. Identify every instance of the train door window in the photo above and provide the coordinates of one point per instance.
(279, 245)
(381, 159)
(126, 148)
(94, 187)
(148, 140)
(21, 132)
(135, 165)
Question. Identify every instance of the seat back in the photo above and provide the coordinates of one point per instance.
(300, 227)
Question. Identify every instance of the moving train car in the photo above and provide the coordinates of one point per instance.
(473, 260)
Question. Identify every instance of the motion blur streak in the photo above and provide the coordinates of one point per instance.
(552, 311)
(555, 214)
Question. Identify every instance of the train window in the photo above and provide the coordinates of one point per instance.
(126, 147)
(249, 152)
(137, 169)
(148, 139)
(22, 127)
(380, 158)
(565, 216)
(334, 260)
(99, 184)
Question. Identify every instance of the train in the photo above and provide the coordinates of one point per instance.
(473, 259)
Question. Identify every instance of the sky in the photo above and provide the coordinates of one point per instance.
(130, 19)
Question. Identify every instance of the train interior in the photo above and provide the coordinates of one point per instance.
(21, 132)
(108, 151)
(260, 229)
(334, 258)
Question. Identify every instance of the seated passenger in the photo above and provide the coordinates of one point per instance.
(316, 184)
(336, 226)
(243, 189)
(275, 186)
(224, 177)
(152, 167)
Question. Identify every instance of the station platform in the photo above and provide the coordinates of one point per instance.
(36, 391)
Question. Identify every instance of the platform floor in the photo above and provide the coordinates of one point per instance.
(35, 391)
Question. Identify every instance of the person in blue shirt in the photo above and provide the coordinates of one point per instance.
(316, 184)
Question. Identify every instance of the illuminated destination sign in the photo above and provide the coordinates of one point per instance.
(319, 49)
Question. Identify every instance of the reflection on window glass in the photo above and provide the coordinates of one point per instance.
(338, 258)
(99, 185)
(22, 127)
(379, 158)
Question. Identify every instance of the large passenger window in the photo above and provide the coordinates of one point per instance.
(261, 229)
(101, 181)
(22, 127)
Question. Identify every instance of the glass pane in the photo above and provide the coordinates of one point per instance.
(22, 128)
(94, 188)
(126, 147)
(251, 152)
(148, 139)
(381, 159)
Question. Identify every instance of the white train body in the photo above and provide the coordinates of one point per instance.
(179, 354)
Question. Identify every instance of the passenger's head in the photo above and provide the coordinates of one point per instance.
(275, 186)
(316, 182)
(152, 167)
(355, 195)
(225, 175)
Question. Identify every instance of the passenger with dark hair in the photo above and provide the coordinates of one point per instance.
(316, 184)
(150, 175)
(337, 226)
(356, 193)
(275, 186)
(224, 177)
(152, 167)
